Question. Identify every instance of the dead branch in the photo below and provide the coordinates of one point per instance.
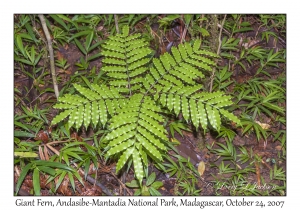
(52, 66)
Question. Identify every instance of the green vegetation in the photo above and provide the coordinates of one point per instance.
(207, 77)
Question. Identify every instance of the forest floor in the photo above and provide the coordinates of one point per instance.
(264, 154)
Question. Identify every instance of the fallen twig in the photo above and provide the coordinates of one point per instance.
(257, 170)
(52, 66)
(121, 183)
(218, 52)
(103, 188)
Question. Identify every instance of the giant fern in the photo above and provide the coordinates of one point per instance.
(130, 104)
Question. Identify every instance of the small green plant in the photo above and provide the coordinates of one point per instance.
(83, 64)
(185, 173)
(149, 188)
(178, 126)
(53, 169)
(250, 126)
(222, 79)
(62, 63)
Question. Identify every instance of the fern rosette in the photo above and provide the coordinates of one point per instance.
(131, 103)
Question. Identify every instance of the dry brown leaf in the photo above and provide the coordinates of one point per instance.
(278, 148)
(264, 126)
(41, 153)
(201, 168)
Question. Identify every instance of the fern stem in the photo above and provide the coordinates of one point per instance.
(116, 23)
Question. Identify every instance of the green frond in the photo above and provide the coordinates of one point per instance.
(208, 53)
(164, 60)
(138, 63)
(163, 99)
(133, 36)
(230, 116)
(122, 138)
(110, 107)
(152, 114)
(196, 46)
(185, 108)
(113, 61)
(139, 54)
(106, 92)
(177, 102)
(138, 166)
(114, 54)
(193, 71)
(125, 30)
(199, 108)
(182, 51)
(124, 158)
(79, 116)
(214, 117)
(188, 48)
(61, 116)
(72, 99)
(120, 147)
(72, 118)
(119, 83)
(187, 78)
(135, 44)
(89, 94)
(87, 115)
(115, 46)
(202, 116)
(149, 147)
(95, 111)
(184, 67)
(154, 73)
(117, 75)
(194, 112)
(199, 64)
(176, 54)
(126, 58)
(140, 123)
(170, 101)
(88, 108)
(159, 66)
(143, 156)
(120, 131)
(153, 130)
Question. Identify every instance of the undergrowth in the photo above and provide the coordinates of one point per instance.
(139, 95)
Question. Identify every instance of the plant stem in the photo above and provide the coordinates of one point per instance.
(218, 52)
(116, 23)
(52, 66)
